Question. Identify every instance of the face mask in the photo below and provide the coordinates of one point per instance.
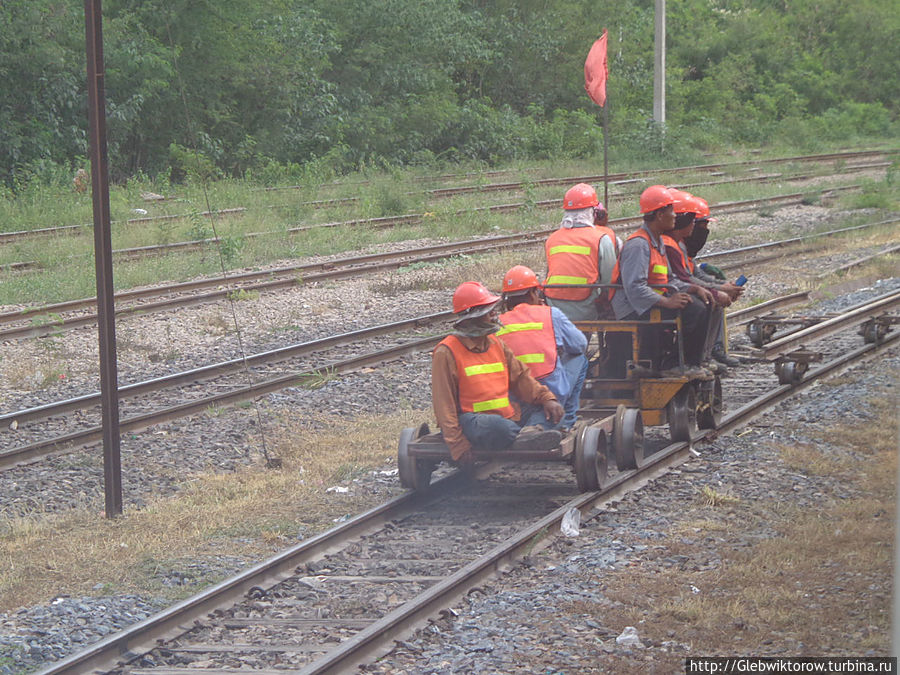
(478, 327)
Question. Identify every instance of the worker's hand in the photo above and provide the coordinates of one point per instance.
(554, 411)
(722, 298)
(702, 293)
(675, 301)
(733, 291)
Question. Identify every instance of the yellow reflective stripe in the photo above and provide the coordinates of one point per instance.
(493, 404)
(563, 279)
(570, 248)
(540, 357)
(659, 269)
(661, 291)
(484, 368)
(516, 327)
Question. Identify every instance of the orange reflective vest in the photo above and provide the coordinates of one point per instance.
(483, 378)
(528, 331)
(658, 273)
(685, 260)
(572, 258)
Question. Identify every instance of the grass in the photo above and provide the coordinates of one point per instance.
(248, 514)
(68, 269)
(821, 583)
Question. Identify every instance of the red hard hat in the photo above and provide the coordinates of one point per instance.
(520, 278)
(684, 201)
(472, 294)
(655, 197)
(702, 207)
(580, 196)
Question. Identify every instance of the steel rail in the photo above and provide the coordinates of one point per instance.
(877, 307)
(33, 452)
(292, 351)
(174, 621)
(377, 637)
(287, 276)
(222, 368)
(439, 192)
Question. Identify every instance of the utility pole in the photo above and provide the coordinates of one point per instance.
(659, 64)
(106, 308)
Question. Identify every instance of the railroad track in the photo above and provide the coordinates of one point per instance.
(230, 389)
(623, 178)
(53, 319)
(342, 598)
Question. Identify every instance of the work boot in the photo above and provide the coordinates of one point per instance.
(537, 439)
(719, 354)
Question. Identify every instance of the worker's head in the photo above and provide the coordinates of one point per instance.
(702, 207)
(520, 284)
(582, 208)
(475, 307)
(581, 196)
(657, 206)
(685, 211)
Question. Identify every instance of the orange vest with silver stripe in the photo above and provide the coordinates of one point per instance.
(658, 273)
(685, 260)
(528, 331)
(572, 259)
(483, 378)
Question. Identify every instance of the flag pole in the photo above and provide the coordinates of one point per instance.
(605, 157)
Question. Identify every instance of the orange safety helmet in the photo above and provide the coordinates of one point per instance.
(580, 196)
(684, 201)
(702, 208)
(472, 299)
(520, 278)
(655, 197)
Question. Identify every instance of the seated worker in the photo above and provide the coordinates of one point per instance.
(643, 269)
(482, 395)
(582, 251)
(679, 244)
(544, 339)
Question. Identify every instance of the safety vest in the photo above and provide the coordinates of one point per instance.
(483, 377)
(572, 259)
(528, 331)
(687, 261)
(657, 273)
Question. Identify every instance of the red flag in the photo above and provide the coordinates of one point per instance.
(595, 72)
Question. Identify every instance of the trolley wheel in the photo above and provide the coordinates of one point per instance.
(872, 333)
(791, 372)
(590, 459)
(709, 410)
(755, 333)
(682, 413)
(415, 474)
(628, 438)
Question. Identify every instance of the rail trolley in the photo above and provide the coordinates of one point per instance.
(618, 399)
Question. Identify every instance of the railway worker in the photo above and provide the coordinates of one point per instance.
(681, 266)
(544, 339)
(643, 269)
(482, 395)
(681, 261)
(582, 251)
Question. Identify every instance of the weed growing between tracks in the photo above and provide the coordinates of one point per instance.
(247, 515)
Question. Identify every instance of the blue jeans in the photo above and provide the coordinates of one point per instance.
(486, 431)
(576, 370)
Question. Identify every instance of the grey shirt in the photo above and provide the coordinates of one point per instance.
(636, 295)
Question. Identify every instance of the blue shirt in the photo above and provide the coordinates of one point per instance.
(569, 342)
